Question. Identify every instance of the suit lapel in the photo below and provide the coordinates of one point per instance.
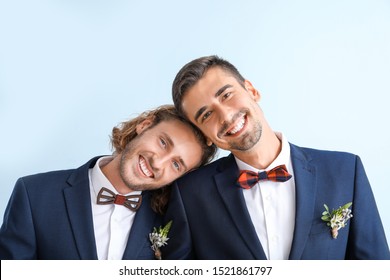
(142, 226)
(305, 185)
(77, 199)
(235, 204)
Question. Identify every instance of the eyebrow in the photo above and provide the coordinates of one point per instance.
(216, 95)
(170, 141)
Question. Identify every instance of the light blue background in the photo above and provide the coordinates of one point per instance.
(70, 70)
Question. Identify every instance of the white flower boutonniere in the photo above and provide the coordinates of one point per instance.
(159, 238)
(337, 218)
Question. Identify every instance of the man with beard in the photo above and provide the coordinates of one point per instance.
(266, 200)
(107, 208)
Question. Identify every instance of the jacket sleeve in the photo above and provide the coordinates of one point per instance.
(17, 235)
(367, 238)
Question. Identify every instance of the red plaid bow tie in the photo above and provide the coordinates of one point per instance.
(248, 179)
(106, 196)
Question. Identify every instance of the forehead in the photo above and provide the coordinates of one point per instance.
(175, 129)
(213, 78)
(205, 90)
(185, 143)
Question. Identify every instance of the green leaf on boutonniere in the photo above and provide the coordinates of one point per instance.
(326, 207)
(346, 206)
(159, 238)
(337, 218)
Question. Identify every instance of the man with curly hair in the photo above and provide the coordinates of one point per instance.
(107, 208)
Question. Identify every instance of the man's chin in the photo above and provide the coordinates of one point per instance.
(138, 187)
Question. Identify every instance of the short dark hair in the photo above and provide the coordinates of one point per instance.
(193, 71)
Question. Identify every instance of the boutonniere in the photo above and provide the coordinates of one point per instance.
(159, 238)
(337, 218)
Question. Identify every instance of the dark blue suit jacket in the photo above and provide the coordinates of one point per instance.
(49, 217)
(211, 221)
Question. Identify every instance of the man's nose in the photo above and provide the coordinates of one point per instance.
(225, 114)
(160, 160)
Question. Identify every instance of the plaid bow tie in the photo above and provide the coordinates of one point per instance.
(106, 196)
(248, 179)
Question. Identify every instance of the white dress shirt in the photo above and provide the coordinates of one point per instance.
(271, 206)
(112, 223)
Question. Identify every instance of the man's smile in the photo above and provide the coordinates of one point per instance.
(144, 167)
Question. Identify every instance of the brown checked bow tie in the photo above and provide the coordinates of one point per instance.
(106, 196)
(248, 179)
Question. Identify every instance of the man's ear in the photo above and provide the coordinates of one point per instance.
(144, 125)
(209, 142)
(255, 94)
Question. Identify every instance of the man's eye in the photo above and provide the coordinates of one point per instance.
(176, 165)
(206, 115)
(163, 143)
(226, 95)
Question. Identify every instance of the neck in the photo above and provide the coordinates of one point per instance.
(112, 173)
(263, 153)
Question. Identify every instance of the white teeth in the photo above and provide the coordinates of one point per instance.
(144, 168)
(238, 127)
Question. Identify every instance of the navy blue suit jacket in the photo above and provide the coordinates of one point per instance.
(211, 221)
(49, 217)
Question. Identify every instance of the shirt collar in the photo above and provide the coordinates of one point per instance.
(282, 158)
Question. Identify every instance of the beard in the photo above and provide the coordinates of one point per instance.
(127, 154)
(248, 140)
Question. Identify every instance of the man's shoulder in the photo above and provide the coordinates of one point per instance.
(57, 176)
(47, 176)
(321, 155)
(209, 169)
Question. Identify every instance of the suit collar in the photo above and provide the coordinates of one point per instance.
(77, 199)
(306, 186)
(143, 225)
(235, 204)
